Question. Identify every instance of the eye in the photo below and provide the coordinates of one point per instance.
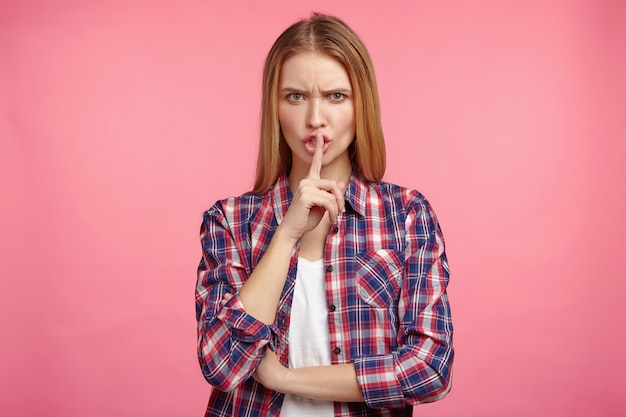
(337, 96)
(294, 96)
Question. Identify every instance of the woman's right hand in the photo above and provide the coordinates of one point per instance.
(261, 292)
(313, 198)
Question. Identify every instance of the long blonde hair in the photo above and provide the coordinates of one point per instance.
(330, 36)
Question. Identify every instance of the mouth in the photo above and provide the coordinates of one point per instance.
(309, 143)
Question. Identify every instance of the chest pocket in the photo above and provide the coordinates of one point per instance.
(379, 276)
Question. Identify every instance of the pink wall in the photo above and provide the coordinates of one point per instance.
(121, 121)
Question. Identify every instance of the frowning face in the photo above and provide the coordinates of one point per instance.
(315, 96)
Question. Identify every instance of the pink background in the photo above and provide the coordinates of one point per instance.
(121, 121)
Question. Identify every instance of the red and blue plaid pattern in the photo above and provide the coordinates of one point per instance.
(386, 279)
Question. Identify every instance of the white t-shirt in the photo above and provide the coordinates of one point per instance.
(308, 336)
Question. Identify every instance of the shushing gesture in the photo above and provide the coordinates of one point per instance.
(314, 198)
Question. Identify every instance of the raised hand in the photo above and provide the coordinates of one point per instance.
(314, 198)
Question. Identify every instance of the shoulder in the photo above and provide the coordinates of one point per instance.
(414, 211)
(410, 207)
(237, 208)
(409, 199)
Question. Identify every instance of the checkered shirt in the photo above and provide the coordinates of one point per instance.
(386, 275)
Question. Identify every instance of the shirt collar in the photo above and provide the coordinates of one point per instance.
(355, 196)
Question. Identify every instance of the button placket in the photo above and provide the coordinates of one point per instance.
(334, 239)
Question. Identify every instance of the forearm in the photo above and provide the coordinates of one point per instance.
(261, 292)
(327, 383)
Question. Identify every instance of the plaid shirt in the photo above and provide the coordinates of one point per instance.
(386, 277)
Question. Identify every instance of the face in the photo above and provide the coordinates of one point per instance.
(315, 96)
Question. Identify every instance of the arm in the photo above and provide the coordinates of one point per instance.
(419, 369)
(235, 308)
(230, 341)
(326, 383)
(313, 198)
(232, 335)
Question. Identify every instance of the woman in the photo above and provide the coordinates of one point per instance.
(323, 291)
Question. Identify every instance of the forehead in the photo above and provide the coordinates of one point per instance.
(313, 70)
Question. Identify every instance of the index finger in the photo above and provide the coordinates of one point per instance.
(316, 163)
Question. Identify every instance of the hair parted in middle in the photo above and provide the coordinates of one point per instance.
(329, 36)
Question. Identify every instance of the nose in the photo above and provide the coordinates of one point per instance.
(315, 115)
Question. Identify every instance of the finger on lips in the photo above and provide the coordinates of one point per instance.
(318, 155)
(335, 203)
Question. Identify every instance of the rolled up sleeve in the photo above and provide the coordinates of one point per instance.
(230, 341)
(419, 369)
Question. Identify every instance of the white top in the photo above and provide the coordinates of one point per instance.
(308, 336)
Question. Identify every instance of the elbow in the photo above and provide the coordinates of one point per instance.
(219, 367)
(221, 384)
(429, 381)
(229, 355)
(437, 384)
(221, 377)
(439, 389)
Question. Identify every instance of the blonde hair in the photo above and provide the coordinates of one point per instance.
(330, 36)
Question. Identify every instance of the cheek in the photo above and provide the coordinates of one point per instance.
(286, 118)
(348, 120)
(289, 132)
(286, 128)
(345, 115)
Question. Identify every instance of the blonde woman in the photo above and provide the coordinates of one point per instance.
(322, 292)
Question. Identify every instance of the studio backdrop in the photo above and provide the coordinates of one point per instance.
(121, 121)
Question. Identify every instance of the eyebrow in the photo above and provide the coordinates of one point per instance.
(332, 90)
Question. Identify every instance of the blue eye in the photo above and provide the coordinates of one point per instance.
(338, 96)
(295, 96)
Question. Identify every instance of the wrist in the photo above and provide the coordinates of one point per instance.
(281, 380)
(284, 236)
(272, 374)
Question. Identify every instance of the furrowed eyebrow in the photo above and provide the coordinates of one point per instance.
(325, 92)
(338, 90)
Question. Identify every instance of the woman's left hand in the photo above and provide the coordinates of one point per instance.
(270, 371)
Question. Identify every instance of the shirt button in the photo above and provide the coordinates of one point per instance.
(337, 350)
(336, 229)
(330, 268)
(332, 307)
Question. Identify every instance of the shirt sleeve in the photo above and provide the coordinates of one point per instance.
(419, 370)
(230, 341)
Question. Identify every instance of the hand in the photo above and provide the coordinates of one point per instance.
(270, 371)
(226, 298)
(314, 197)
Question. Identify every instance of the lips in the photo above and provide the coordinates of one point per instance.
(309, 143)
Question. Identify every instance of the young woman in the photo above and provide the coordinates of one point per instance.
(323, 291)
